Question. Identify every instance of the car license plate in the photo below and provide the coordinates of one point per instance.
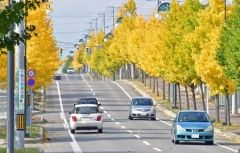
(144, 114)
(195, 136)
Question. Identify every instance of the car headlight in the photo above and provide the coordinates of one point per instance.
(210, 128)
(180, 128)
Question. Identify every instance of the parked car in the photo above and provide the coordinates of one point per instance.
(86, 117)
(57, 77)
(192, 125)
(142, 107)
(70, 70)
(89, 100)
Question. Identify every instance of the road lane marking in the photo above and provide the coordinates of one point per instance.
(89, 86)
(113, 119)
(109, 115)
(105, 112)
(91, 90)
(137, 136)
(157, 149)
(130, 131)
(94, 94)
(117, 123)
(76, 148)
(66, 76)
(123, 127)
(146, 143)
(122, 89)
(166, 123)
(233, 150)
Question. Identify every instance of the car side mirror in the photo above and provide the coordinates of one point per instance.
(173, 119)
(99, 104)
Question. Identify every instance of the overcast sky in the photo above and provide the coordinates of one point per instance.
(72, 18)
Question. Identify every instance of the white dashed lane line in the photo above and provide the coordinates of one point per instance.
(123, 127)
(130, 131)
(157, 149)
(117, 123)
(137, 136)
(146, 143)
(108, 115)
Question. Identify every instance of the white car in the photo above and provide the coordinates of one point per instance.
(70, 70)
(86, 117)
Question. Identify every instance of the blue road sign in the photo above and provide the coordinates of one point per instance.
(31, 82)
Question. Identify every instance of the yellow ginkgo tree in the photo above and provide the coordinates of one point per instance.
(42, 51)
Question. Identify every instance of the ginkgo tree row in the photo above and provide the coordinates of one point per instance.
(191, 44)
(42, 51)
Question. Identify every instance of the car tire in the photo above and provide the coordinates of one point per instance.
(130, 118)
(100, 130)
(176, 141)
(153, 118)
(209, 142)
(72, 131)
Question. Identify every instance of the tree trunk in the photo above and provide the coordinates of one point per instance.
(202, 95)
(142, 76)
(179, 95)
(194, 98)
(217, 108)
(150, 82)
(169, 90)
(145, 79)
(228, 110)
(157, 87)
(154, 84)
(187, 98)
(164, 91)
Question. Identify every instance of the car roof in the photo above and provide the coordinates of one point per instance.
(140, 97)
(85, 105)
(87, 98)
(192, 111)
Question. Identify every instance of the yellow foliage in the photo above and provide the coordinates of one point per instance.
(3, 70)
(42, 51)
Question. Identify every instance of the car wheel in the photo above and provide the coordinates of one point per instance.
(209, 142)
(72, 131)
(153, 118)
(176, 141)
(100, 130)
(130, 118)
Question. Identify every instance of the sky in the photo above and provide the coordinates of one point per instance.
(72, 19)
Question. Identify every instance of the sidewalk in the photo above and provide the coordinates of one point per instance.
(232, 133)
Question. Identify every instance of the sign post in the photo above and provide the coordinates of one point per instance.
(29, 101)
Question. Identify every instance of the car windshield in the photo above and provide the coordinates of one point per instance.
(142, 102)
(87, 101)
(86, 110)
(193, 117)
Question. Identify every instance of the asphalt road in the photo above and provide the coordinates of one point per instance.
(120, 135)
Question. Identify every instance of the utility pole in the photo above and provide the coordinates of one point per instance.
(20, 73)
(113, 16)
(96, 24)
(10, 94)
(104, 22)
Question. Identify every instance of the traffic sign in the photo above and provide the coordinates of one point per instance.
(31, 73)
(31, 82)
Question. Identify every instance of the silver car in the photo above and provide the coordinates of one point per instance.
(142, 107)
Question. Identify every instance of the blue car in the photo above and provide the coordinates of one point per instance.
(192, 125)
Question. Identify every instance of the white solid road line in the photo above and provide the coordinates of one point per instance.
(233, 150)
(74, 144)
(137, 136)
(66, 76)
(146, 143)
(122, 89)
(157, 149)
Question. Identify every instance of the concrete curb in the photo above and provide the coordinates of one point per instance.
(228, 135)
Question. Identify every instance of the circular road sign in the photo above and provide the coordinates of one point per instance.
(31, 82)
(31, 73)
